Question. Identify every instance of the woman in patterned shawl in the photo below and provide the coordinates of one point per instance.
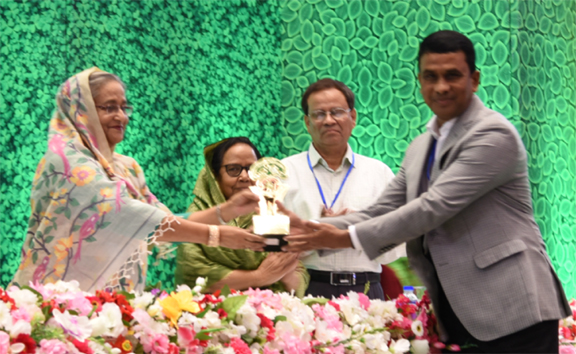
(93, 215)
(221, 180)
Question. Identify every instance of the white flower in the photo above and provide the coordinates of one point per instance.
(77, 326)
(417, 328)
(420, 346)
(20, 327)
(246, 316)
(375, 342)
(232, 331)
(5, 316)
(142, 301)
(400, 346)
(384, 311)
(183, 287)
(109, 321)
(23, 298)
(356, 347)
(63, 287)
(155, 310)
(200, 281)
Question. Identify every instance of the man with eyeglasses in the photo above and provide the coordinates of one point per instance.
(330, 179)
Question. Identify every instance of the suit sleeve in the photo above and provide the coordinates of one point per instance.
(488, 158)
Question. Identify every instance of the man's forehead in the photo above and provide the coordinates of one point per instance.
(443, 61)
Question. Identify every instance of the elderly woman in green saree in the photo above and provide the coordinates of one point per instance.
(93, 215)
(223, 178)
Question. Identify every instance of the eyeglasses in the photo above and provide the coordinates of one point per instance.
(127, 110)
(235, 170)
(336, 113)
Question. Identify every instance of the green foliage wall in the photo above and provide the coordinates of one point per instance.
(199, 71)
(526, 54)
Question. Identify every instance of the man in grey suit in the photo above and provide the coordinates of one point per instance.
(461, 200)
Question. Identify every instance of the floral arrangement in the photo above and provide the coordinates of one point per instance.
(567, 332)
(60, 318)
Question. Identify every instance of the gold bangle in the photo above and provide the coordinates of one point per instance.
(219, 215)
(213, 236)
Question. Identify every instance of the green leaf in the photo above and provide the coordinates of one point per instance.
(76, 228)
(316, 300)
(90, 239)
(225, 291)
(83, 216)
(105, 224)
(279, 318)
(67, 213)
(34, 257)
(74, 202)
(59, 210)
(202, 336)
(49, 238)
(232, 304)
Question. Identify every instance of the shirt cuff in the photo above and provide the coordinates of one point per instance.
(354, 238)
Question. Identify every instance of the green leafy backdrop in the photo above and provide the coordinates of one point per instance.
(199, 71)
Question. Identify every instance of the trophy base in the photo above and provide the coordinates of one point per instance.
(274, 243)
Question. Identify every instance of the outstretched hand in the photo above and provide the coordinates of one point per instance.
(297, 225)
(317, 236)
(243, 203)
(237, 238)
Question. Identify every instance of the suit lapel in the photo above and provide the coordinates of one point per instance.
(461, 127)
(416, 168)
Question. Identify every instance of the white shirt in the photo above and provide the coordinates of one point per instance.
(440, 135)
(366, 181)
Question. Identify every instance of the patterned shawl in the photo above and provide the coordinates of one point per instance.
(215, 263)
(92, 212)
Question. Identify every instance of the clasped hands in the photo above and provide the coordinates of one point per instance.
(310, 235)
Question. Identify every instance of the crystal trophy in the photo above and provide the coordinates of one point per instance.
(268, 173)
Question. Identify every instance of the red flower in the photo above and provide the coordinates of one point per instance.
(222, 314)
(335, 305)
(29, 343)
(119, 300)
(239, 346)
(81, 346)
(123, 344)
(6, 298)
(95, 302)
(265, 322)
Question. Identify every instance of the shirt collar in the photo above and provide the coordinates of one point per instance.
(432, 127)
(316, 158)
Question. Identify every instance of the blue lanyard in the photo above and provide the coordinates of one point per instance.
(320, 187)
(431, 159)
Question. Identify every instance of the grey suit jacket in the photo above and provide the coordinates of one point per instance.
(477, 216)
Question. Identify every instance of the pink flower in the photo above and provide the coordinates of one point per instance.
(79, 303)
(271, 351)
(21, 314)
(453, 347)
(4, 342)
(257, 298)
(52, 346)
(334, 350)
(187, 340)
(295, 345)
(239, 346)
(173, 349)
(332, 320)
(364, 301)
(567, 349)
(156, 343)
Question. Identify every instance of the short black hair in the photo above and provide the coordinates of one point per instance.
(220, 150)
(448, 42)
(325, 84)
